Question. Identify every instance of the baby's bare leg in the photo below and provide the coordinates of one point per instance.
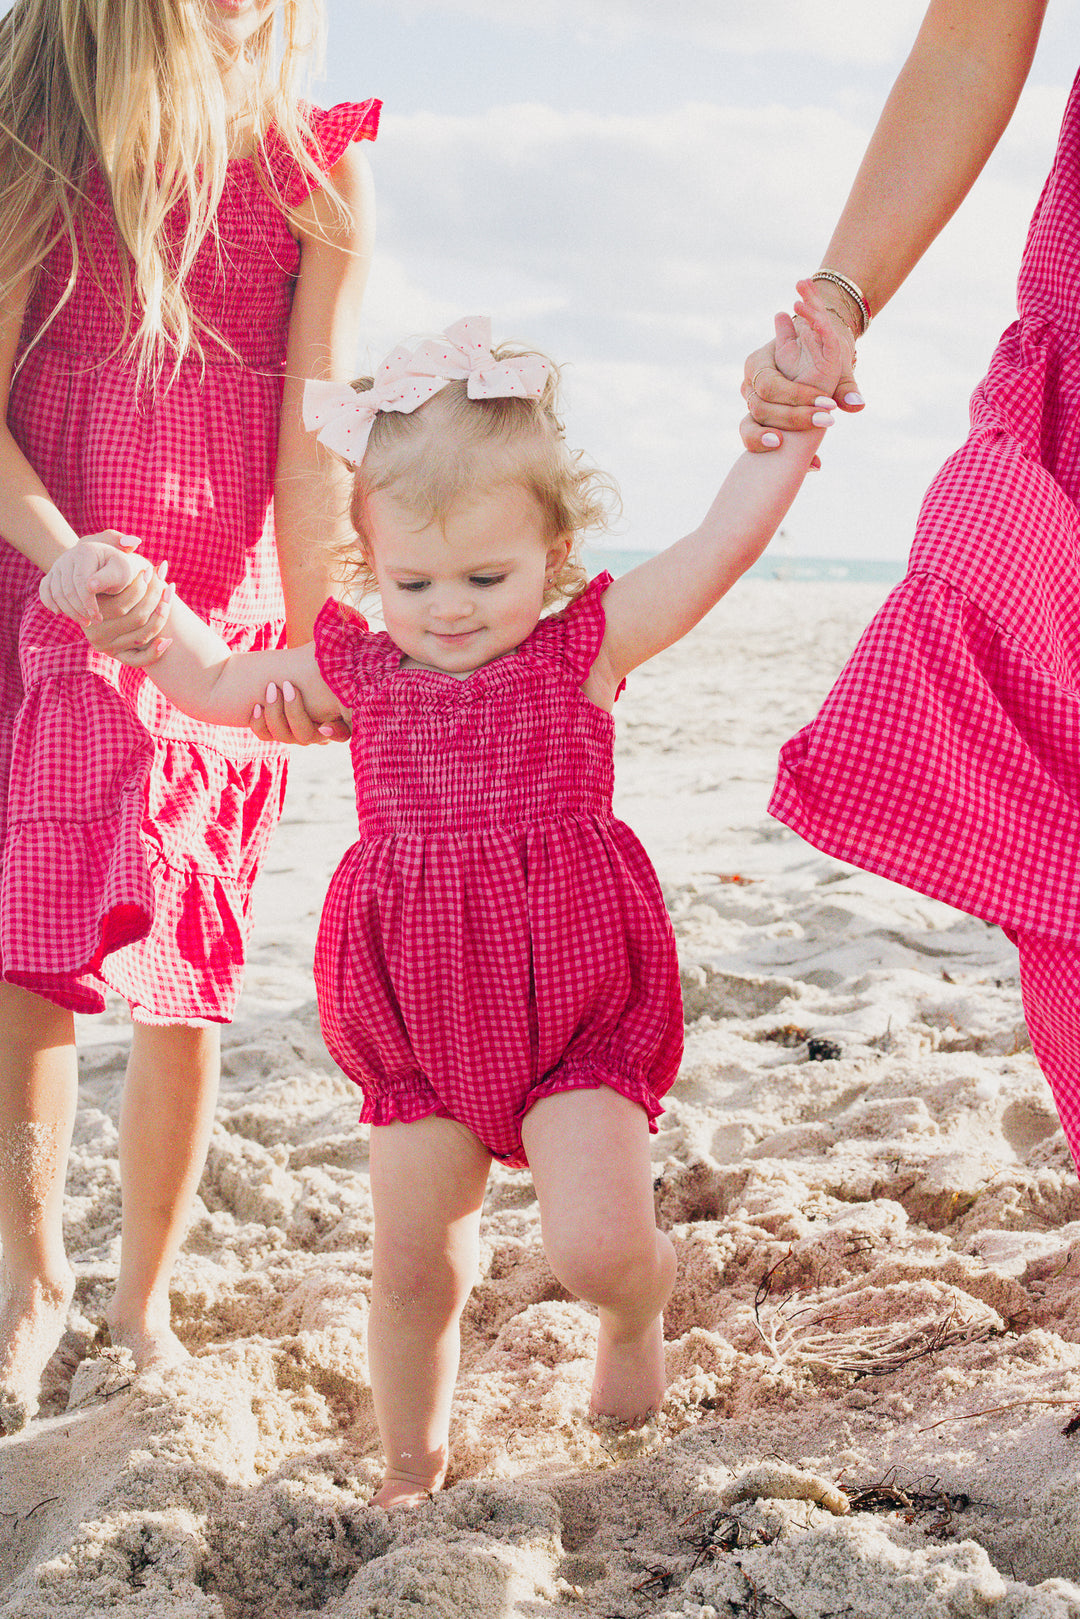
(589, 1154)
(427, 1186)
(38, 1089)
(165, 1121)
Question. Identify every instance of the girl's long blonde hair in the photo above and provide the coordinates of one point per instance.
(134, 87)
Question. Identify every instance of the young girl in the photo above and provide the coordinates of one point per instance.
(182, 242)
(495, 966)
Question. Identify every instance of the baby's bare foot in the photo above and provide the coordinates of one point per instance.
(31, 1325)
(401, 1492)
(153, 1344)
(630, 1378)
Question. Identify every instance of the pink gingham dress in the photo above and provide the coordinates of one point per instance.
(496, 935)
(947, 756)
(131, 834)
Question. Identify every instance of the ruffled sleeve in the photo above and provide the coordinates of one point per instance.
(333, 129)
(573, 637)
(349, 654)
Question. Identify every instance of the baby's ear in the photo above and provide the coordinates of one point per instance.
(558, 551)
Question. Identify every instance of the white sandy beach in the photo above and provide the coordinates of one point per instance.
(879, 1263)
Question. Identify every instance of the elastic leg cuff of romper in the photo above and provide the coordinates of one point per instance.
(401, 1105)
(593, 1074)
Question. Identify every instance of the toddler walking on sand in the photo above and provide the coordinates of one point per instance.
(495, 966)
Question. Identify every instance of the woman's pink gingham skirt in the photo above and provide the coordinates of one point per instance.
(947, 755)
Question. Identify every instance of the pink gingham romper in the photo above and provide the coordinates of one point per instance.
(947, 756)
(496, 935)
(131, 834)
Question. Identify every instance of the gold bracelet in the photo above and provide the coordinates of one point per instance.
(856, 294)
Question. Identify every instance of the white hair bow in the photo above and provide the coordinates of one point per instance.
(406, 379)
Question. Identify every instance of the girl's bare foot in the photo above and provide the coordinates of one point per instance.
(630, 1378)
(31, 1325)
(153, 1343)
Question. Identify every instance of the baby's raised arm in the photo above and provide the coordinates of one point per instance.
(657, 603)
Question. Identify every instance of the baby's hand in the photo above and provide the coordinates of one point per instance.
(808, 349)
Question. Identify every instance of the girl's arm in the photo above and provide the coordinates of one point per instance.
(32, 523)
(200, 675)
(945, 114)
(659, 601)
(311, 488)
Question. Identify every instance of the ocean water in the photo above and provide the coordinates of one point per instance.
(836, 570)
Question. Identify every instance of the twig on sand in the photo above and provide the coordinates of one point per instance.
(1013, 1405)
(887, 1497)
(21, 1517)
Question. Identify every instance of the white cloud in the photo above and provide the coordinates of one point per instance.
(844, 31)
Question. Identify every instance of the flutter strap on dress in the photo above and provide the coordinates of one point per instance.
(333, 131)
(350, 654)
(574, 636)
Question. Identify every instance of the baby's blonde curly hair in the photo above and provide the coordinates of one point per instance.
(453, 447)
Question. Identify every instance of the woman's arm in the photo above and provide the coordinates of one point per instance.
(945, 114)
(312, 488)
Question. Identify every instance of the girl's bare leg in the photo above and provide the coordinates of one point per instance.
(427, 1186)
(165, 1122)
(589, 1154)
(38, 1089)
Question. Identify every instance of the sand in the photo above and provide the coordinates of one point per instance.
(879, 1260)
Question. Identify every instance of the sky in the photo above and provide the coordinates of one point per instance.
(635, 186)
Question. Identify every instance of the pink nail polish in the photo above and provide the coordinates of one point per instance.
(822, 418)
(256, 712)
(289, 689)
(271, 693)
(771, 439)
(326, 730)
(854, 399)
(825, 404)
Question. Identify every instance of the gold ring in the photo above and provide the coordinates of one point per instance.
(753, 379)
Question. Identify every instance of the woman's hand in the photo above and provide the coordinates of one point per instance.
(284, 718)
(778, 405)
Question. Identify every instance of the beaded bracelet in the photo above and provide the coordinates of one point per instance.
(855, 293)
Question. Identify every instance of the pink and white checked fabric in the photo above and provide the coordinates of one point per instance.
(947, 755)
(496, 935)
(131, 835)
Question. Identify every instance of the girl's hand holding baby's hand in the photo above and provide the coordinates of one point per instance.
(98, 562)
(120, 600)
(284, 718)
(131, 619)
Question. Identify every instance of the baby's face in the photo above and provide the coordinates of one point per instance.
(459, 594)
